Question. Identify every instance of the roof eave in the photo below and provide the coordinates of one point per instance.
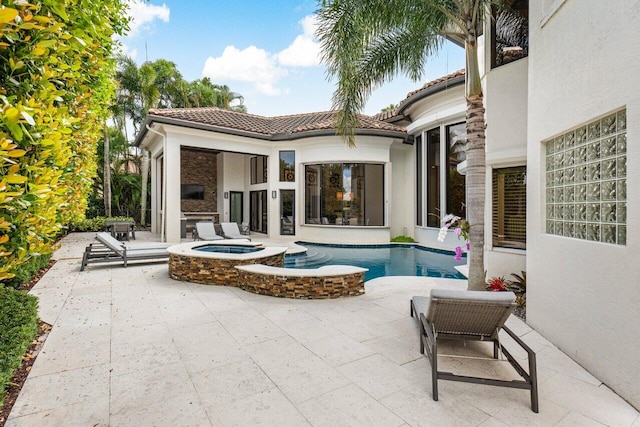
(266, 137)
(431, 90)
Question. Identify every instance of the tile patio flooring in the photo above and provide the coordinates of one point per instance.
(133, 347)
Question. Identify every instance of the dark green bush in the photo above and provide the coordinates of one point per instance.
(27, 270)
(402, 239)
(18, 328)
(95, 224)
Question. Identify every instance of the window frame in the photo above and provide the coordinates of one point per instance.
(351, 205)
(428, 215)
(255, 163)
(284, 170)
(500, 218)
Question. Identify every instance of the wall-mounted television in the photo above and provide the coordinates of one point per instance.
(191, 192)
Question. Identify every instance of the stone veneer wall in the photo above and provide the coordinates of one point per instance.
(198, 167)
(214, 271)
(302, 287)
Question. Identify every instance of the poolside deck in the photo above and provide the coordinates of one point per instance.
(134, 347)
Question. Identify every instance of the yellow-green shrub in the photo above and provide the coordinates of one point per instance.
(56, 83)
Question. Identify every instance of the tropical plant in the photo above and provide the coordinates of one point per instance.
(156, 84)
(403, 239)
(56, 84)
(366, 43)
(520, 282)
(498, 284)
(517, 286)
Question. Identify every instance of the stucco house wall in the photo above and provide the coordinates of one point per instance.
(506, 98)
(584, 296)
(443, 108)
(329, 149)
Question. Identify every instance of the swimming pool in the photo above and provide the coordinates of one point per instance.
(381, 260)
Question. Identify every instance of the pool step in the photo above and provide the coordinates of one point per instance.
(312, 259)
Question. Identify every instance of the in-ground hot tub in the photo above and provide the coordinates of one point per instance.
(213, 263)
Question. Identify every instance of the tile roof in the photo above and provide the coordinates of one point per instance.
(442, 79)
(414, 95)
(267, 127)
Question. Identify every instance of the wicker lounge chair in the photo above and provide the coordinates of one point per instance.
(471, 315)
(205, 230)
(231, 231)
(109, 250)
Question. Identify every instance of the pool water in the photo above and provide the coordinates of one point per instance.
(381, 260)
(227, 249)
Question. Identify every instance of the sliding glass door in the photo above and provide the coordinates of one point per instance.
(258, 208)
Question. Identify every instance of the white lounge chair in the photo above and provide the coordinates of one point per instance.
(231, 231)
(110, 249)
(471, 315)
(205, 230)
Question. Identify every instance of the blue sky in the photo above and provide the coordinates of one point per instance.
(265, 50)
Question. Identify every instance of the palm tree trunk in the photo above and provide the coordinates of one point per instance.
(106, 174)
(144, 170)
(475, 180)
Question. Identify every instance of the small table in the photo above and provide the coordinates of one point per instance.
(121, 229)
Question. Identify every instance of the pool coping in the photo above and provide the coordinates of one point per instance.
(188, 249)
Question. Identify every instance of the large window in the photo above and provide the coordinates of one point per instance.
(509, 216)
(456, 146)
(445, 145)
(433, 177)
(287, 166)
(344, 194)
(586, 181)
(258, 169)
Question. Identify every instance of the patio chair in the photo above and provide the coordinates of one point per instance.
(109, 250)
(121, 230)
(471, 315)
(244, 228)
(231, 231)
(205, 230)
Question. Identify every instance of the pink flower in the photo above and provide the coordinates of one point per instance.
(468, 246)
(458, 256)
(457, 231)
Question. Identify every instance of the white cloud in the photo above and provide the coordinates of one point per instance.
(263, 69)
(252, 65)
(143, 14)
(305, 50)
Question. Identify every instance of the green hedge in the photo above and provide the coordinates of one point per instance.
(27, 270)
(95, 224)
(56, 84)
(18, 328)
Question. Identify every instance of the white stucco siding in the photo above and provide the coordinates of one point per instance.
(506, 114)
(231, 164)
(402, 199)
(584, 296)
(333, 148)
(445, 107)
(506, 98)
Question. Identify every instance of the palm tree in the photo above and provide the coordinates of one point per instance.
(225, 97)
(366, 43)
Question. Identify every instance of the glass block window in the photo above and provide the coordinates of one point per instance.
(586, 181)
